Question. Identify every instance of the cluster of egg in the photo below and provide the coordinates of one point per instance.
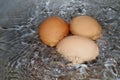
(80, 46)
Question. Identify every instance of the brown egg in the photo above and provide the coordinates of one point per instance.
(86, 26)
(52, 30)
(78, 49)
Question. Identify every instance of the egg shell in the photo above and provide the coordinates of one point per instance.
(86, 26)
(78, 49)
(52, 30)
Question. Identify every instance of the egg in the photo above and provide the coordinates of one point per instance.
(77, 49)
(86, 26)
(52, 30)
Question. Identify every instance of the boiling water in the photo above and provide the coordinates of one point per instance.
(24, 57)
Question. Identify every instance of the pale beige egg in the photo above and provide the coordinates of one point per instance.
(78, 49)
(52, 30)
(86, 26)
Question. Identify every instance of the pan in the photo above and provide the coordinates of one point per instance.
(24, 57)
